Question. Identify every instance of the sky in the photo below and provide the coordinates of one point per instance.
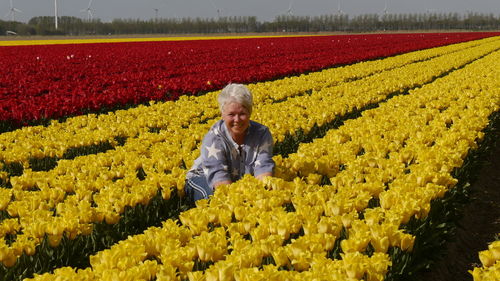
(265, 10)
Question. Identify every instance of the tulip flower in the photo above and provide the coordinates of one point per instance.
(487, 258)
(494, 248)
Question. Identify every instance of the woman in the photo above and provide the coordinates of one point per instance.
(233, 147)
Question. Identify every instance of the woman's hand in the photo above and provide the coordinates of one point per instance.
(221, 183)
(263, 175)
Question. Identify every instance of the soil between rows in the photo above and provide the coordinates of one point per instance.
(477, 227)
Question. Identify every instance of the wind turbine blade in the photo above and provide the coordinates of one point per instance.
(90, 3)
(289, 11)
(11, 5)
(17, 10)
(213, 5)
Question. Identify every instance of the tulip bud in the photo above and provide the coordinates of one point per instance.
(111, 217)
(9, 260)
(407, 241)
(54, 240)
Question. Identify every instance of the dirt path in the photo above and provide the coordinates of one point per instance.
(478, 226)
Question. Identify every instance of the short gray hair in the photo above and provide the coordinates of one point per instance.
(237, 93)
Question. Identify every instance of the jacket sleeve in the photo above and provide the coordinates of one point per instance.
(264, 162)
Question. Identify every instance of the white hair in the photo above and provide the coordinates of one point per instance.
(237, 93)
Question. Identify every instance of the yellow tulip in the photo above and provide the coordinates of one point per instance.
(223, 271)
(354, 265)
(300, 264)
(375, 276)
(486, 258)
(313, 178)
(111, 217)
(379, 263)
(54, 240)
(354, 244)
(348, 218)
(477, 274)
(259, 233)
(5, 198)
(9, 226)
(407, 242)
(269, 244)
(7, 257)
(494, 248)
(380, 244)
(373, 216)
(280, 257)
(193, 276)
(330, 225)
(86, 229)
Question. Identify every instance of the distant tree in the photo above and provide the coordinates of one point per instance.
(45, 25)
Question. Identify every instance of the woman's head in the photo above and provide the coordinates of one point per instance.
(235, 93)
(235, 102)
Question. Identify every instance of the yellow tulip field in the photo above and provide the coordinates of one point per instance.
(369, 157)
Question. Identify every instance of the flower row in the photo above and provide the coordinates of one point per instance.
(300, 230)
(95, 188)
(54, 81)
(120, 40)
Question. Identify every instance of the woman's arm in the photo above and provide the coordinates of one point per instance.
(264, 164)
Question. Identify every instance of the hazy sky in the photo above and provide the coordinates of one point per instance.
(265, 10)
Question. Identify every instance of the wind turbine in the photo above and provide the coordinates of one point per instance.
(289, 11)
(90, 16)
(156, 13)
(385, 8)
(219, 11)
(339, 11)
(12, 12)
(55, 13)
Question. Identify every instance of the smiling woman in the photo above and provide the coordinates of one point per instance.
(233, 147)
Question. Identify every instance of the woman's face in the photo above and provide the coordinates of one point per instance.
(237, 118)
